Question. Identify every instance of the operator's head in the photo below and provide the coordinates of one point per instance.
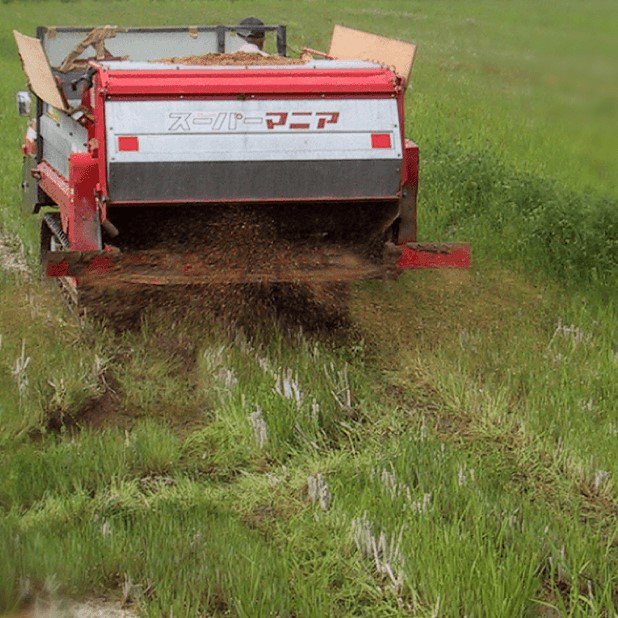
(249, 29)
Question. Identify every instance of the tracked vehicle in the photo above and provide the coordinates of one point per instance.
(160, 156)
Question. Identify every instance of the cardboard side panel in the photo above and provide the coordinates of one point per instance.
(349, 44)
(37, 69)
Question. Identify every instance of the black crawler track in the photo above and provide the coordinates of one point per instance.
(51, 226)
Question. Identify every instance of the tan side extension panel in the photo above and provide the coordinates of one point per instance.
(36, 66)
(349, 44)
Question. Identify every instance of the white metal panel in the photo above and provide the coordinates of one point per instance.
(281, 130)
(62, 137)
(144, 45)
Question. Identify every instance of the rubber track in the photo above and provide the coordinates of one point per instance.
(53, 223)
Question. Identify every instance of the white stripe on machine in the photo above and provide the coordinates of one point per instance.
(253, 130)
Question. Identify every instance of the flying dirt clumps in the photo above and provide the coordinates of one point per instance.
(237, 240)
(238, 58)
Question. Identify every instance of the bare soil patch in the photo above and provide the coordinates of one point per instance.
(105, 410)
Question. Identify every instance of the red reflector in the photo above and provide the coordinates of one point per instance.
(381, 140)
(128, 144)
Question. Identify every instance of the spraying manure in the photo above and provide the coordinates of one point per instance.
(235, 59)
(219, 165)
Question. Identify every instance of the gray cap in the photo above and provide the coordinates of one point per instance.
(250, 27)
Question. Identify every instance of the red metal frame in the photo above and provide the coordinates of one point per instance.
(414, 256)
(412, 161)
(98, 99)
(84, 227)
(54, 184)
(100, 264)
(285, 84)
(76, 198)
(265, 83)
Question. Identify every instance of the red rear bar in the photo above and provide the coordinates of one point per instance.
(188, 82)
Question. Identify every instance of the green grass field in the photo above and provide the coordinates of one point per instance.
(453, 452)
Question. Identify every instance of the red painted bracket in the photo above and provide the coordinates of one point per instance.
(435, 255)
(63, 263)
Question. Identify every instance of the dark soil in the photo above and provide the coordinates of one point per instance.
(238, 58)
(98, 412)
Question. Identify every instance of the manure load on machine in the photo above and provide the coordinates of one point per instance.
(213, 166)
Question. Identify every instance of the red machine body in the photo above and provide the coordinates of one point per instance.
(280, 135)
